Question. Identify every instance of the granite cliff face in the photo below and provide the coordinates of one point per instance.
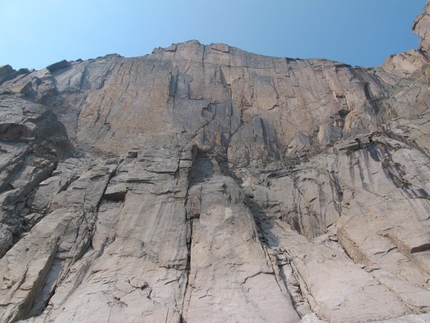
(208, 184)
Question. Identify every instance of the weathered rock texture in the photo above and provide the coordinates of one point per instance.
(207, 184)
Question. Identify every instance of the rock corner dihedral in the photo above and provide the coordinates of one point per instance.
(202, 183)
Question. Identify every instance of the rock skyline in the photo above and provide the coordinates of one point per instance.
(203, 183)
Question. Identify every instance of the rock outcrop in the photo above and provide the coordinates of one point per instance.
(202, 183)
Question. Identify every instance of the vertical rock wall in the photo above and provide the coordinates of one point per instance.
(202, 183)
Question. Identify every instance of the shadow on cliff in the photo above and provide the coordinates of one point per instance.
(202, 169)
(264, 224)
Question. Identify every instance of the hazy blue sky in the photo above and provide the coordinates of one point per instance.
(36, 33)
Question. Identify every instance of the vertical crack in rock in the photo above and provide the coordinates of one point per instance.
(192, 211)
(278, 259)
(221, 225)
(292, 283)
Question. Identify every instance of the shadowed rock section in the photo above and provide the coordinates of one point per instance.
(202, 183)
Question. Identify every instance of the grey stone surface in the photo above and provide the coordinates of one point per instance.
(202, 183)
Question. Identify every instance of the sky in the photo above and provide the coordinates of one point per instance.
(37, 33)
